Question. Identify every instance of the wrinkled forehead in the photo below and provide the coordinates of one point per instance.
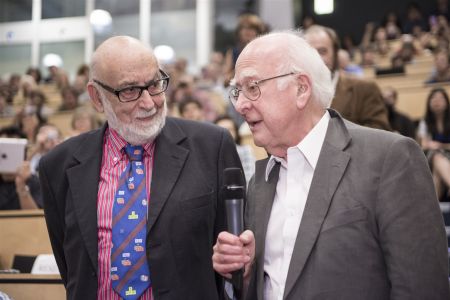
(255, 64)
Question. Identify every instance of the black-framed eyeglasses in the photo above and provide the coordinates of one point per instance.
(251, 90)
(134, 92)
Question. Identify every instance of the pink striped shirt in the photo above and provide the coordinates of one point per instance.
(114, 162)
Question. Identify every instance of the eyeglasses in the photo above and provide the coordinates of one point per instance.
(132, 93)
(251, 91)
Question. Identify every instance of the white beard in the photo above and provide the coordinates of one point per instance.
(136, 134)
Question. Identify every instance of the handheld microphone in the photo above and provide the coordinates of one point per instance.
(234, 192)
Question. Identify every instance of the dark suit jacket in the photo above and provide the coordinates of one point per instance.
(186, 210)
(371, 228)
(361, 102)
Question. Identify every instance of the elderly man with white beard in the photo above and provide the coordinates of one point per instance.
(134, 208)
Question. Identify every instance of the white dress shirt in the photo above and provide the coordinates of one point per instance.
(292, 190)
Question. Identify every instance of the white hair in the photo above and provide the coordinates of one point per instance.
(295, 54)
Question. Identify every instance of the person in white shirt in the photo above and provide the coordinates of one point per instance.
(337, 210)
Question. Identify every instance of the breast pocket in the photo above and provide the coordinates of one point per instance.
(197, 202)
(345, 217)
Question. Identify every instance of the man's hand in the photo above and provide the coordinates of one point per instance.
(232, 253)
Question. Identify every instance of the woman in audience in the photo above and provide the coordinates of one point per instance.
(21, 189)
(434, 136)
(84, 119)
(245, 151)
(441, 70)
(249, 27)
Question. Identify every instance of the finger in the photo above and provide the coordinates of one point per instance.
(247, 237)
(228, 238)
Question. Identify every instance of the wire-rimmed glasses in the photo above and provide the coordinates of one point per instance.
(251, 90)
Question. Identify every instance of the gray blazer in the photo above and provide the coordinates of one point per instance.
(371, 228)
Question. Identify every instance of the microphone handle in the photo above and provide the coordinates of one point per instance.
(235, 220)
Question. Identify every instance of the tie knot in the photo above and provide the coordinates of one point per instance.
(134, 152)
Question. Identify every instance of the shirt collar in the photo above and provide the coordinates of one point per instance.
(116, 144)
(310, 146)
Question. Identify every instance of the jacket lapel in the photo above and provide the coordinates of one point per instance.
(263, 195)
(168, 163)
(329, 171)
(83, 181)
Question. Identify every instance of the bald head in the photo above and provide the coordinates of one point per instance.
(118, 52)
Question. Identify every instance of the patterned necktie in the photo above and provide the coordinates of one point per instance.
(130, 273)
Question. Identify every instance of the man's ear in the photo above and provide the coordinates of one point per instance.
(303, 91)
(95, 97)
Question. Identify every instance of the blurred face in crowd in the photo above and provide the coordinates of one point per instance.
(389, 97)
(138, 121)
(47, 138)
(324, 45)
(83, 123)
(229, 125)
(438, 103)
(441, 61)
(192, 112)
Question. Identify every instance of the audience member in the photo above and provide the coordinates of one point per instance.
(441, 70)
(48, 137)
(6, 108)
(347, 66)
(84, 119)
(434, 136)
(21, 189)
(392, 25)
(69, 98)
(191, 109)
(399, 122)
(29, 121)
(57, 76)
(245, 151)
(414, 18)
(35, 73)
(249, 26)
(357, 100)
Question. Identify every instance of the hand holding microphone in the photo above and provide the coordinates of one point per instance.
(234, 185)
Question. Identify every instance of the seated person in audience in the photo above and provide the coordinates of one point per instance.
(69, 99)
(6, 109)
(191, 109)
(21, 189)
(376, 38)
(399, 122)
(347, 66)
(29, 121)
(57, 76)
(441, 69)
(35, 73)
(414, 17)
(38, 99)
(84, 119)
(434, 136)
(27, 84)
(357, 100)
(245, 151)
(187, 88)
(80, 83)
(47, 137)
(391, 23)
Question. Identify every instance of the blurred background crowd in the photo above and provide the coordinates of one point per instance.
(405, 52)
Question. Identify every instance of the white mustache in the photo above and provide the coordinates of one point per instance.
(146, 114)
